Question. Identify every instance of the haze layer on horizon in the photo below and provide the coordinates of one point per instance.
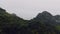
(28, 9)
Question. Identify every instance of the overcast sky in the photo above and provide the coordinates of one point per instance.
(28, 9)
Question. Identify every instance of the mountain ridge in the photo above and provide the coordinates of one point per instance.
(43, 23)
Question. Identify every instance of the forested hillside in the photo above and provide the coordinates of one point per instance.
(43, 23)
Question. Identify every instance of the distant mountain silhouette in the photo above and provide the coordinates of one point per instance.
(43, 23)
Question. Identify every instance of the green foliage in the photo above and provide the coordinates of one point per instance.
(58, 27)
(44, 23)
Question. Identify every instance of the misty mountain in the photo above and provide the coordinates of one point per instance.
(43, 23)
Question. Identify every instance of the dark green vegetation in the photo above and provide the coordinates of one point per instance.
(43, 23)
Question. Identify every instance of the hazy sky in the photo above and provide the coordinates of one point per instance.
(28, 9)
